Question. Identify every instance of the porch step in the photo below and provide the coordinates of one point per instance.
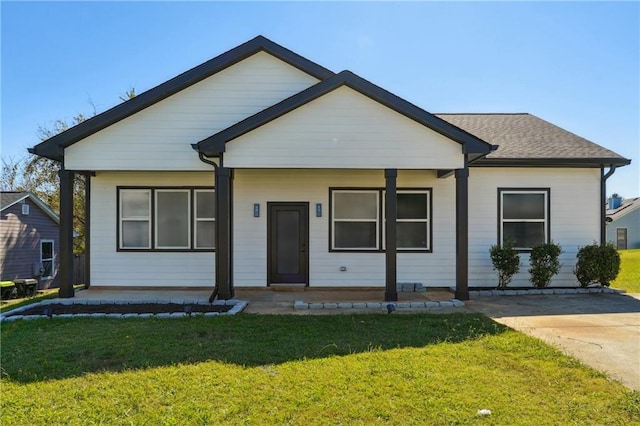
(288, 287)
(410, 287)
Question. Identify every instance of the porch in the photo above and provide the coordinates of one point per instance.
(268, 300)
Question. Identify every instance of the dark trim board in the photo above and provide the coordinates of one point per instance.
(550, 162)
(87, 230)
(66, 234)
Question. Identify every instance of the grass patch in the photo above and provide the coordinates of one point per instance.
(629, 277)
(343, 369)
(9, 304)
(51, 293)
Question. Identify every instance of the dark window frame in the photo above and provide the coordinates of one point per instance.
(381, 219)
(626, 238)
(523, 190)
(152, 219)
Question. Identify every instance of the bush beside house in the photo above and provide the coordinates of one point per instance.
(506, 261)
(597, 264)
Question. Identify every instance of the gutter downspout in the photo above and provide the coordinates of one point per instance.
(214, 294)
(603, 201)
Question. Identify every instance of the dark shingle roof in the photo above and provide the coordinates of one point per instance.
(627, 206)
(525, 137)
(10, 198)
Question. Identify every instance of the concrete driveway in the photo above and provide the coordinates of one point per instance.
(601, 330)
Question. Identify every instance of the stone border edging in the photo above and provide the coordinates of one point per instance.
(238, 306)
(453, 303)
(473, 294)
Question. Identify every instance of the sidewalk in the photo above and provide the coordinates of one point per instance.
(601, 330)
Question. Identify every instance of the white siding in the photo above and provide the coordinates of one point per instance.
(575, 217)
(344, 129)
(312, 186)
(160, 137)
(574, 203)
(151, 269)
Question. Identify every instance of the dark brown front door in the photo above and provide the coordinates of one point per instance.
(288, 241)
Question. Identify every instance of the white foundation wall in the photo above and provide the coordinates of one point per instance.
(574, 220)
(363, 269)
(144, 269)
(160, 136)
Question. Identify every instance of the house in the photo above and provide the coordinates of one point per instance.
(261, 167)
(29, 239)
(623, 222)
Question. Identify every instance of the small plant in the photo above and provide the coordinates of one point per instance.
(506, 261)
(597, 264)
(544, 263)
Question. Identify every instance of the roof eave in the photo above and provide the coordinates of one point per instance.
(553, 162)
(472, 144)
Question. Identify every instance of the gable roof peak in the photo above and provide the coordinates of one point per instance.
(215, 144)
(10, 198)
(53, 147)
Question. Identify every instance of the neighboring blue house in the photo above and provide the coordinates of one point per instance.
(623, 222)
(29, 239)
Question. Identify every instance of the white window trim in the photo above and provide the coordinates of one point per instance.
(197, 220)
(52, 258)
(544, 221)
(134, 219)
(155, 226)
(334, 220)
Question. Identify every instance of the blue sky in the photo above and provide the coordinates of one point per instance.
(574, 64)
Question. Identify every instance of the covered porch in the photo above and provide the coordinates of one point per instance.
(274, 301)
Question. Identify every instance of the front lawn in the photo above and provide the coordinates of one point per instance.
(342, 369)
(8, 304)
(629, 277)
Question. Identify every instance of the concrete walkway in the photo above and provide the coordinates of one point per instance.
(601, 330)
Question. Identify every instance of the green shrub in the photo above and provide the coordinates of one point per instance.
(506, 261)
(597, 264)
(544, 263)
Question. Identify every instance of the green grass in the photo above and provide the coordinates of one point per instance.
(343, 369)
(629, 277)
(16, 303)
(52, 293)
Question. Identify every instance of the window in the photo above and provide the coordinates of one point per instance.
(46, 258)
(413, 220)
(135, 218)
(357, 220)
(621, 238)
(170, 219)
(205, 219)
(523, 217)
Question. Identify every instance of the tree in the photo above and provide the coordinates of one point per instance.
(11, 175)
(40, 175)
